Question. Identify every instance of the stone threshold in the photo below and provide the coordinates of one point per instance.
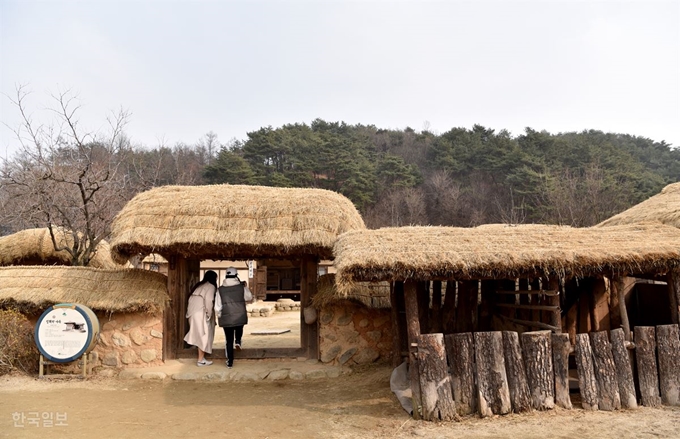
(244, 370)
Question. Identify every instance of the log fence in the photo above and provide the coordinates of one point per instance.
(498, 372)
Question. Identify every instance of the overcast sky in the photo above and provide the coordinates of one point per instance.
(183, 68)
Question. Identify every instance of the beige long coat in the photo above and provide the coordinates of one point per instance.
(201, 320)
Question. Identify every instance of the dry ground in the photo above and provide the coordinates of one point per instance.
(359, 405)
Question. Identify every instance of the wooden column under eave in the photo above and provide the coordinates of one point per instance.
(175, 323)
(309, 333)
(673, 280)
(555, 316)
(617, 288)
(413, 330)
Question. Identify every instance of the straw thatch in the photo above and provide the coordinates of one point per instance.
(34, 247)
(370, 294)
(232, 222)
(502, 252)
(33, 289)
(663, 207)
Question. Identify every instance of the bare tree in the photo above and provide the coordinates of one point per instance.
(64, 178)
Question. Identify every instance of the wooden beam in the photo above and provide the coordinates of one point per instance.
(617, 285)
(309, 333)
(539, 307)
(413, 330)
(554, 300)
(599, 307)
(530, 292)
(449, 308)
(673, 281)
(423, 289)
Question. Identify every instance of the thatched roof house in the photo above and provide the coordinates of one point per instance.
(663, 207)
(232, 222)
(34, 247)
(501, 252)
(31, 289)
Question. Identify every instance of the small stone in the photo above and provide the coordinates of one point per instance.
(110, 325)
(127, 326)
(344, 358)
(156, 334)
(104, 339)
(185, 376)
(138, 337)
(366, 355)
(326, 317)
(331, 337)
(296, 375)
(127, 374)
(285, 300)
(316, 374)
(246, 376)
(333, 372)
(154, 376)
(374, 335)
(111, 359)
(128, 357)
(363, 323)
(329, 355)
(120, 339)
(148, 355)
(276, 375)
(108, 373)
(344, 320)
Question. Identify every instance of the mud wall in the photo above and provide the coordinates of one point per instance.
(351, 333)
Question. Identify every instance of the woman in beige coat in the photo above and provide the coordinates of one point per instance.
(200, 314)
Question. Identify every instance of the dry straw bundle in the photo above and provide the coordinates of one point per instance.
(371, 294)
(232, 222)
(31, 289)
(663, 207)
(502, 252)
(34, 247)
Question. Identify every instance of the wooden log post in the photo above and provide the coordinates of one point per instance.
(605, 372)
(586, 375)
(624, 370)
(554, 300)
(460, 352)
(537, 350)
(436, 320)
(492, 382)
(668, 345)
(645, 354)
(398, 325)
(673, 281)
(618, 285)
(413, 330)
(449, 307)
(561, 347)
(435, 386)
(517, 378)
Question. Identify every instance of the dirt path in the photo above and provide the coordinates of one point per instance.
(359, 405)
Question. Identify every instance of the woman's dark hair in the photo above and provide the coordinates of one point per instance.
(210, 277)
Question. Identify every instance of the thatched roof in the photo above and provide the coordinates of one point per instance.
(371, 294)
(232, 222)
(34, 247)
(663, 207)
(502, 252)
(33, 289)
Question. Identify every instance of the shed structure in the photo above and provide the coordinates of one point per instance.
(187, 224)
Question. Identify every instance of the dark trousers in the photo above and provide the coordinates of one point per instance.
(229, 337)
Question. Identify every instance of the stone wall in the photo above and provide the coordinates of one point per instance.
(130, 340)
(351, 333)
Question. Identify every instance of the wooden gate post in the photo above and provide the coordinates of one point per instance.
(536, 347)
(435, 386)
(668, 342)
(645, 353)
(586, 375)
(624, 370)
(517, 377)
(605, 372)
(561, 346)
(460, 351)
(492, 382)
